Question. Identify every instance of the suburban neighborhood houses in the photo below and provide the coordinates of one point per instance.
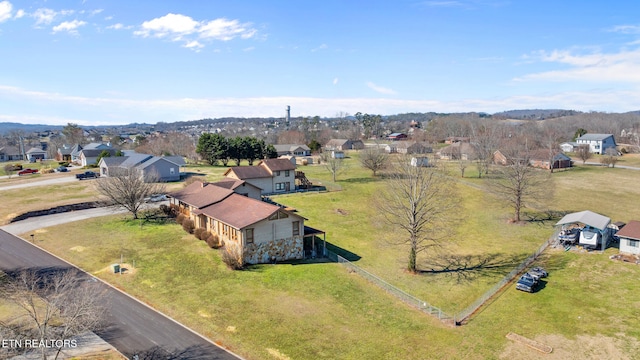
(277, 233)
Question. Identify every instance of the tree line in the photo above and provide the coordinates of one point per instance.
(215, 148)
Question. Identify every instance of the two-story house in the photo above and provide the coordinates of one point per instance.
(270, 175)
(598, 143)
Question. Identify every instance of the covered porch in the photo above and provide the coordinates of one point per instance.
(314, 243)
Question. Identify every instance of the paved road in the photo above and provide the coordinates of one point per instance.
(133, 328)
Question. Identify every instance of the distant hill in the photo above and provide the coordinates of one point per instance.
(27, 128)
(534, 114)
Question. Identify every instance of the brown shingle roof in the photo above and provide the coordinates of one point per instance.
(249, 172)
(200, 194)
(277, 164)
(240, 211)
(630, 231)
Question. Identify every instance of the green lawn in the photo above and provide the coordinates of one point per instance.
(320, 310)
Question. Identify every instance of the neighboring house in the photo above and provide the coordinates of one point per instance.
(35, 154)
(420, 161)
(344, 144)
(89, 154)
(412, 147)
(75, 153)
(540, 159)
(397, 136)
(10, 153)
(630, 238)
(598, 143)
(291, 149)
(457, 151)
(456, 139)
(253, 230)
(270, 175)
(153, 168)
(569, 146)
(64, 153)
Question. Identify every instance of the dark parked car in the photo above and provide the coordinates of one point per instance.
(27, 171)
(86, 175)
(62, 169)
(527, 283)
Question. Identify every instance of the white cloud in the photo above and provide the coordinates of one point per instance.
(194, 45)
(118, 110)
(46, 16)
(626, 29)
(380, 89)
(69, 26)
(623, 66)
(170, 24)
(5, 10)
(225, 30)
(321, 47)
(335, 81)
(19, 14)
(178, 27)
(118, 26)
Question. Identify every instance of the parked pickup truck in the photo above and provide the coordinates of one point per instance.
(87, 175)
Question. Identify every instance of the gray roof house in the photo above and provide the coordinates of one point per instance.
(34, 154)
(10, 153)
(153, 168)
(89, 153)
(344, 144)
(598, 143)
(292, 149)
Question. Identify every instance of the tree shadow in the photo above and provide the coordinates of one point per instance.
(193, 352)
(542, 217)
(362, 180)
(467, 268)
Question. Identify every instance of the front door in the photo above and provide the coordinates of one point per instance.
(287, 186)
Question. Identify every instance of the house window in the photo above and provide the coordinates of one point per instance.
(296, 228)
(634, 243)
(279, 186)
(277, 173)
(286, 173)
(249, 234)
(172, 171)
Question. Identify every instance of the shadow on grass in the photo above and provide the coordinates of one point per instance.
(362, 180)
(471, 267)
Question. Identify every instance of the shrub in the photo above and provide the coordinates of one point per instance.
(231, 258)
(63, 163)
(47, 171)
(180, 219)
(190, 180)
(213, 240)
(200, 233)
(188, 226)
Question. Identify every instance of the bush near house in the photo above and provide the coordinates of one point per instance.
(200, 233)
(213, 240)
(188, 225)
(180, 219)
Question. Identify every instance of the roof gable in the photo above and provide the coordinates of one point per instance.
(630, 231)
(277, 164)
(200, 195)
(240, 211)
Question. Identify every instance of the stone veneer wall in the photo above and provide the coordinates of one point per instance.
(282, 249)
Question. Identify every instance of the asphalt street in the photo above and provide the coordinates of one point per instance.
(132, 327)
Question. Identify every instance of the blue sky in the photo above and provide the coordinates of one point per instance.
(97, 62)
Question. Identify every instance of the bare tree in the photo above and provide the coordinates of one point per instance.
(373, 158)
(333, 164)
(584, 153)
(550, 138)
(127, 188)
(520, 184)
(54, 307)
(486, 137)
(610, 157)
(418, 202)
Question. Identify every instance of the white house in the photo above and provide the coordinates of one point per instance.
(569, 146)
(630, 238)
(598, 143)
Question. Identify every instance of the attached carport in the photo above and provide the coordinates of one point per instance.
(591, 220)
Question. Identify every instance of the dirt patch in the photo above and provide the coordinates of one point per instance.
(634, 259)
(78, 248)
(342, 212)
(583, 347)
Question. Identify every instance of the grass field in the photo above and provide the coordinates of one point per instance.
(320, 310)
